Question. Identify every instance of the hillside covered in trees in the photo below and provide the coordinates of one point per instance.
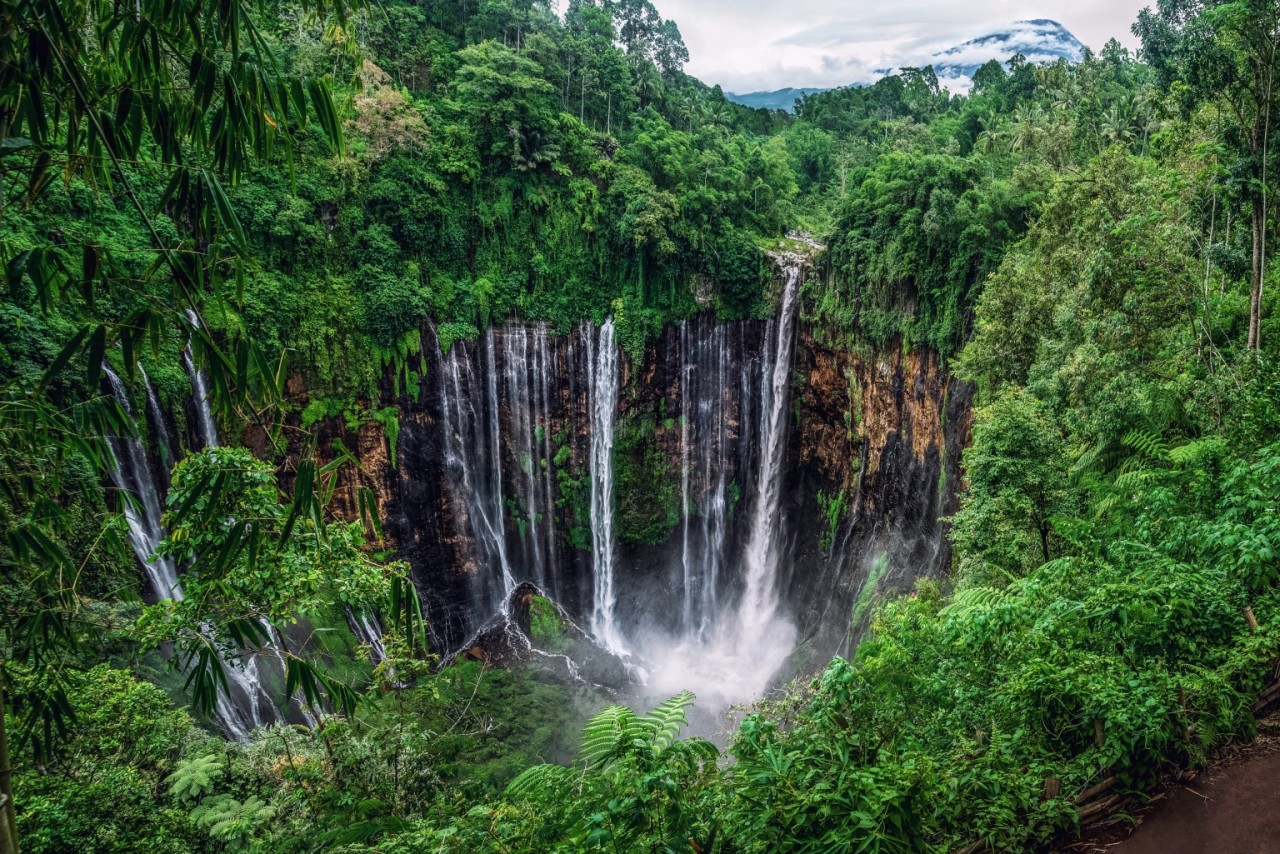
(240, 239)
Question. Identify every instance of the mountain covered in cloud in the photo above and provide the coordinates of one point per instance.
(1039, 40)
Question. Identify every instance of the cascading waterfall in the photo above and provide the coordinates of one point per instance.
(159, 429)
(725, 632)
(602, 362)
(730, 649)
(142, 507)
(473, 466)
(132, 475)
(527, 364)
(705, 392)
(200, 389)
(364, 625)
(759, 605)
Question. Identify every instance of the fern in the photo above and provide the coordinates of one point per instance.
(664, 723)
(538, 778)
(607, 735)
(231, 821)
(1146, 443)
(195, 777)
(971, 599)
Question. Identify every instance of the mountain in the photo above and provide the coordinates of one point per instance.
(779, 99)
(1039, 40)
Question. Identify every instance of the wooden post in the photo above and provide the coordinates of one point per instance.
(1251, 619)
(1097, 731)
(1052, 788)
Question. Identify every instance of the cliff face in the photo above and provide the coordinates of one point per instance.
(491, 484)
(886, 430)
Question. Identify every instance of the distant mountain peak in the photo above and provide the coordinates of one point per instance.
(779, 99)
(1037, 39)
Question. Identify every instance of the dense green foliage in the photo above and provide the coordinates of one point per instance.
(335, 190)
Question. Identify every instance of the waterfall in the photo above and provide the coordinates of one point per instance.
(526, 400)
(705, 411)
(364, 625)
(473, 466)
(142, 509)
(200, 389)
(159, 429)
(602, 378)
(143, 502)
(729, 648)
(686, 565)
(759, 602)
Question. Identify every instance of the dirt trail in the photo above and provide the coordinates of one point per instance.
(1233, 807)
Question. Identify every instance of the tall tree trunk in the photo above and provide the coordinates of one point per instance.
(1255, 301)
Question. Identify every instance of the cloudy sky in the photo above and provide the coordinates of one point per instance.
(749, 45)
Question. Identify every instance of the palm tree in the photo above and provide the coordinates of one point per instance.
(1117, 126)
(1026, 128)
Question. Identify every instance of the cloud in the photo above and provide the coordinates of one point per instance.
(748, 45)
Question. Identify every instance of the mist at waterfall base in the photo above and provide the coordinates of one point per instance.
(731, 654)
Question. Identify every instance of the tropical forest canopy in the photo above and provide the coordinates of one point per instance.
(317, 192)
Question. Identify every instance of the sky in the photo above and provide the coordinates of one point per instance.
(753, 45)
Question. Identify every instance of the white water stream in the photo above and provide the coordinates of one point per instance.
(602, 361)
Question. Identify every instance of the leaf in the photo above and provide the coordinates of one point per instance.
(63, 357)
(226, 215)
(97, 348)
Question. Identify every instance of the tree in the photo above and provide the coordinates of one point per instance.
(503, 90)
(190, 91)
(1226, 50)
(1017, 484)
(256, 564)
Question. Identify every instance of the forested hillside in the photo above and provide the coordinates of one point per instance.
(233, 232)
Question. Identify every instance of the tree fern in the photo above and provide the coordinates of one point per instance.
(971, 599)
(195, 777)
(231, 821)
(608, 734)
(1147, 444)
(539, 778)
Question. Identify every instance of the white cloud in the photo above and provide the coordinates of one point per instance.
(748, 45)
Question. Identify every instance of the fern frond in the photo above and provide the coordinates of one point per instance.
(1133, 478)
(1146, 443)
(608, 733)
(1105, 505)
(535, 778)
(195, 777)
(1194, 452)
(972, 599)
(1089, 462)
(666, 720)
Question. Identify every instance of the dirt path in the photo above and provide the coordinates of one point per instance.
(1233, 807)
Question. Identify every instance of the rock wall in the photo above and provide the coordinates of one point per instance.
(882, 430)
